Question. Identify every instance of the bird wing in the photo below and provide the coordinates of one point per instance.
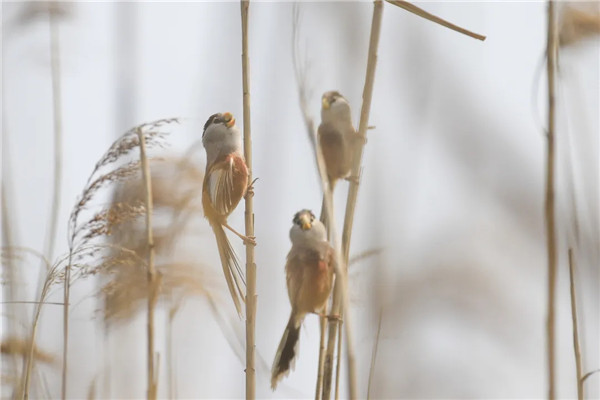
(335, 147)
(309, 276)
(294, 276)
(219, 182)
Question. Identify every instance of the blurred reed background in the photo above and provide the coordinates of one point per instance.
(451, 192)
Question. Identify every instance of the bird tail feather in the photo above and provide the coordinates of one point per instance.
(287, 350)
(231, 268)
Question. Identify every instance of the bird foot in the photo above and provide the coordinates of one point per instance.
(246, 239)
(250, 189)
(249, 240)
(353, 179)
(330, 317)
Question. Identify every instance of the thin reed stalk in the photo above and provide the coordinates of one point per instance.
(171, 389)
(576, 345)
(28, 357)
(341, 280)
(58, 133)
(301, 80)
(28, 365)
(152, 282)
(338, 363)
(340, 267)
(322, 326)
(249, 214)
(350, 208)
(57, 174)
(9, 271)
(374, 354)
(549, 206)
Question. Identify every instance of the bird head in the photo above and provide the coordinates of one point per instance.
(224, 119)
(304, 219)
(334, 106)
(220, 136)
(307, 230)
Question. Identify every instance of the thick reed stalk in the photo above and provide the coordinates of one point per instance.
(576, 346)
(152, 283)
(249, 214)
(551, 51)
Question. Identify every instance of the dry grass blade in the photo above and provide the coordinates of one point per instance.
(424, 14)
(549, 207)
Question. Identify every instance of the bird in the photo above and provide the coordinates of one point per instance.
(225, 183)
(309, 275)
(337, 138)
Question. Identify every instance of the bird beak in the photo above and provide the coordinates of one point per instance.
(305, 222)
(229, 120)
(325, 103)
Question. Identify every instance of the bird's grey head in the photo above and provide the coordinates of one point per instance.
(307, 230)
(221, 136)
(335, 107)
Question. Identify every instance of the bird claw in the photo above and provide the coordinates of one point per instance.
(246, 239)
(250, 189)
(249, 240)
(331, 317)
(353, 179)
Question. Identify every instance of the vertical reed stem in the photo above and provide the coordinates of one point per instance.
(152, 287)
(28, 365)
(576, 346)
(349, 216)
(374, 354)
(549, 200)
(338, 363)
(322, 326)
(55, 206)
(249, 213)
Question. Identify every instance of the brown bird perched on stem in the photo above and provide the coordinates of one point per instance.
(309, 276)
(225, 183)
(338, 139)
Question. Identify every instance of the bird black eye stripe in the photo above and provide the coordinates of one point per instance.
(297, 216)
(213, 119)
